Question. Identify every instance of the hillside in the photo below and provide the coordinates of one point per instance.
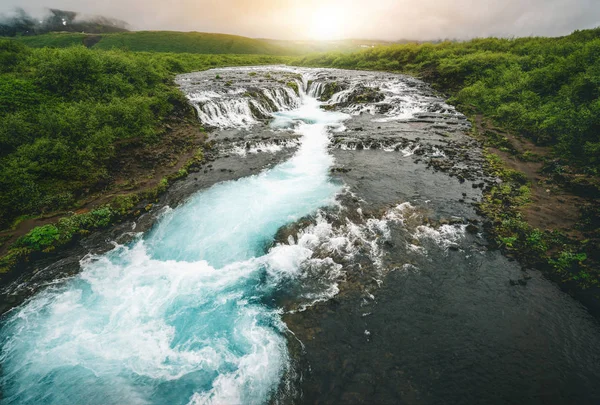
(193, 42)
(52, 40)
(188, 42)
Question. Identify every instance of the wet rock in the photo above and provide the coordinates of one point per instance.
(472, 229)
(456, 221)
(522, 282)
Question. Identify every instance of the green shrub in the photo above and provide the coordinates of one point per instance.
(64, 112)
(40, 238)
(11, 54)
(547, 89)
(568, 260)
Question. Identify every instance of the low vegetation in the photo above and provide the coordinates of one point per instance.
(65, 112)
(547, 89)
(544, 89)
(187, 42)
(565, 258)
(47, 238)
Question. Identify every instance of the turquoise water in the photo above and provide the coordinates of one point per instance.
(181, 316)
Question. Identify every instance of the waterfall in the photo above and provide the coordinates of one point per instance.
(185, 313)
(182, 315)
(243, 108)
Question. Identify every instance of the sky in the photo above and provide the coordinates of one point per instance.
(338, 19)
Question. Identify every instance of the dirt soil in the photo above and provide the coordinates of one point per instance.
(137, 167)
(551, 207)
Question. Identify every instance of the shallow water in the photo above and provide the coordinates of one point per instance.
(179, 316)
(364, 298)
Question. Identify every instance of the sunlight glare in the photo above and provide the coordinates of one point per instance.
(326, 23)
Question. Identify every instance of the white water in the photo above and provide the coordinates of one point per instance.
(183, 315)
(223, 112)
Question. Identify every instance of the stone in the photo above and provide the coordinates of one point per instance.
(472, 229)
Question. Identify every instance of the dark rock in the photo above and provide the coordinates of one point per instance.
(472, 229)
(456, 221)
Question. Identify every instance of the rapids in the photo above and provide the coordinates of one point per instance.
(352, 271)
(182, 314)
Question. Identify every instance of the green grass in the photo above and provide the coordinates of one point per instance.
(547, 89)
(64, 113)
(53, 40)
(188, 42)
(164, 42)
(193, 42)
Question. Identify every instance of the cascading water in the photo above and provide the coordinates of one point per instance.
(181, 315)
(193, 311)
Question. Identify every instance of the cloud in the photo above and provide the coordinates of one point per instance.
(381, 19)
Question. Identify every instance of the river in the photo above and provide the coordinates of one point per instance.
(354, 271)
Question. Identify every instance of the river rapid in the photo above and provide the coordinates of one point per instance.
(332, 254)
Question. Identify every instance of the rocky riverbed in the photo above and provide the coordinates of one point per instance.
(395, 297)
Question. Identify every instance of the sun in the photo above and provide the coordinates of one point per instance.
(326, 23)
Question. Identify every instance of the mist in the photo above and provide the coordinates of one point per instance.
(336, 19)
(19, 22)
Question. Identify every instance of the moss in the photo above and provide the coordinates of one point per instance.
(123, 204)
(294, 86)
(13, 258)
(564, 259)
(329, 90)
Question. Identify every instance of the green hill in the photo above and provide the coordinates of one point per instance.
(159, 41)
(52, 40)
(192, 42)
(188, 42)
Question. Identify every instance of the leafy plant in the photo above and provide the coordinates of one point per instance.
(40, 238)
(567, 260)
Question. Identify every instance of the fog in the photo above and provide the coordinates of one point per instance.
(334, 19)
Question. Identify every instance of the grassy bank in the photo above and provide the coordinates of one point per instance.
(66, 115)
(545, 90)
(65, 112)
